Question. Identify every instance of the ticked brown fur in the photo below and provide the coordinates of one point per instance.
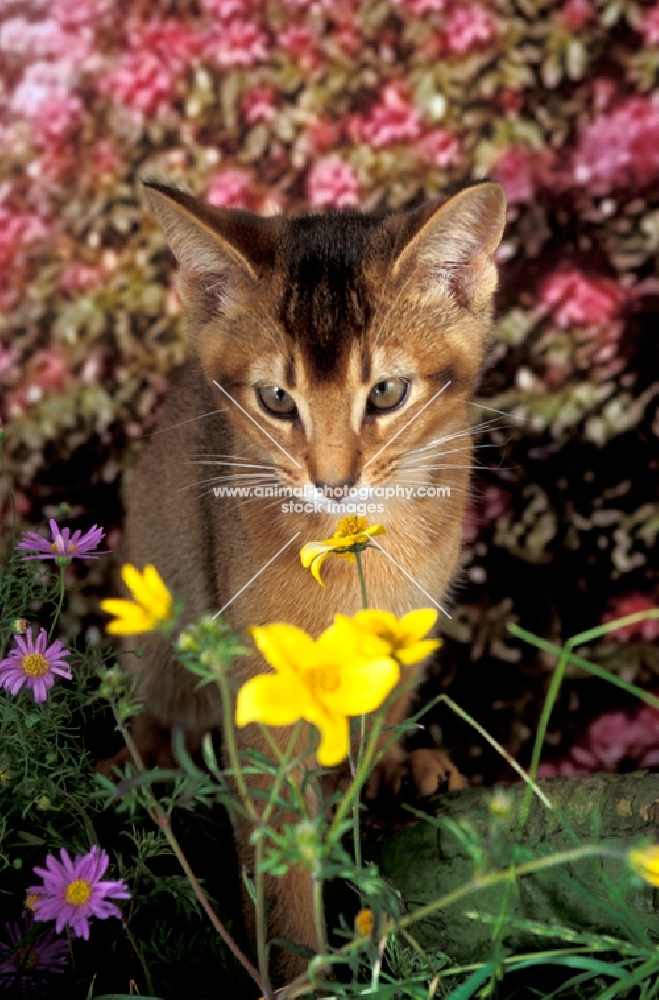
(325, 307)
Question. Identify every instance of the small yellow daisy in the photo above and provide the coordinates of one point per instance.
(152, 606)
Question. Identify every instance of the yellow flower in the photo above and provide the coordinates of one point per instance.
(324, 681)
(364, 922)
(352, 535)
(402, 638)
(644, 861)
(152, 605)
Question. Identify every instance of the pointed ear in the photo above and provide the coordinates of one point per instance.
(220, 252)
(449, 248)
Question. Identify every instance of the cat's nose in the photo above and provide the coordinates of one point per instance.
(338, 489)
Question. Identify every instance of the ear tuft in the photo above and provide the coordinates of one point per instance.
(452, 249)
(218, 250)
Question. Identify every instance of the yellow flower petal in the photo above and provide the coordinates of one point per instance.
(344, 634)
(311, 550)
(275, 700)
(148, 589)
(404, 635)
(152, 605)
(315, 567)
(334, 740)
(363, 687)
(350, 532)
(131, 619)
(644, 861)
(284, 646)
(417, 651)
(418, 623)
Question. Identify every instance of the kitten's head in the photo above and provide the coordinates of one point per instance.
(353, 340)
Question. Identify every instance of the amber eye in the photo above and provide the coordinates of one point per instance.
(387, 395)
(277, 401)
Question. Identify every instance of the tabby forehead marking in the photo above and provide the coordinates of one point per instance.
(325, 304)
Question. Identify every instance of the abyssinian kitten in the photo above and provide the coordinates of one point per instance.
(331, 336)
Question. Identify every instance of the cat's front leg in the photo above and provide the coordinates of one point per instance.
(422, 771)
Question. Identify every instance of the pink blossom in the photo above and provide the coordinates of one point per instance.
(56, 118)
(322, 135)
(650, 26)
(440, 147)
(421, 7)
(141, 81)
(75, 14)
(515, 169)
(577, 13)
(467, 27)
(105, 158)
(617, 736)
(629, 604)
(394, 119)
(510, 100)
(224, 10)
(259, 104)
(34, 39)
(230, 189)
(333, 182)
(620, 149)
(48, 370)
(577, 300)
(8, 358)
(78, 277)
(40, 82)
(611, 739)
(300, 43)
(346, 32)
(169, 40)
(239, 43)
(17, 231)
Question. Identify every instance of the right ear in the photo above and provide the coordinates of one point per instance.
(220, 251)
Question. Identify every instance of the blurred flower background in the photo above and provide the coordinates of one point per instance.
(275, 104)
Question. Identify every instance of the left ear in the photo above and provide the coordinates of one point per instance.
(450, 248)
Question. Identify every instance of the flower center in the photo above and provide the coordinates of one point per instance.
(78, 892)
(350, 525)
(31, 901)
(324, 680)
(71, 547)
(35, 665)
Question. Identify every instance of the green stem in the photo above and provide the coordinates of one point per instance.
(362, 772)
(160, 817)
(362, 581)
(356, 835)
(229, 735)
(592, 668)
(319, 912)
(5, 473)
(261, 924)
(138, 951)
(284, 760)
(60, 602)
(495, 878)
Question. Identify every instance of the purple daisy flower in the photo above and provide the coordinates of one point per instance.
(34, 664)
(30, 958)
(64, 545)
(72, 891)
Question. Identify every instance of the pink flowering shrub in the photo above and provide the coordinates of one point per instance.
(335, 104)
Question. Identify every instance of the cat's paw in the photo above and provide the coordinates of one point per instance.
(419, 772)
